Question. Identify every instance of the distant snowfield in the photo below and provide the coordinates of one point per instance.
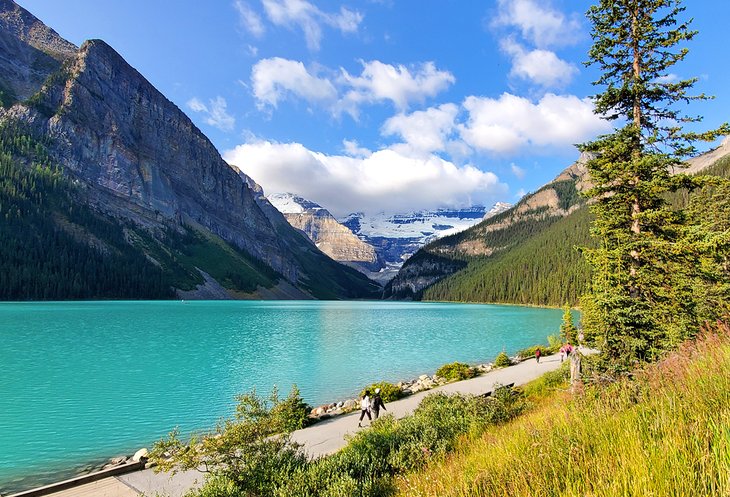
(395, 237)
(425, 225)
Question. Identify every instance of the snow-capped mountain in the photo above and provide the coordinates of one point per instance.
(398, 236)
(386, 240)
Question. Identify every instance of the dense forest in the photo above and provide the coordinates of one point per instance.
(543, 265)
(56, 247)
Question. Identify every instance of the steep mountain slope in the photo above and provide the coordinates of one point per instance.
(132, 158)
(528, 254)
(496, 234)
(326, 233)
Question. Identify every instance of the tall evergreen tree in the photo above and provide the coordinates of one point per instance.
(640, 303)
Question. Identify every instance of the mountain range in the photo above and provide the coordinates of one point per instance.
(378, 244)
(100, 169)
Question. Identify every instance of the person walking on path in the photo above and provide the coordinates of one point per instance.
(364, 408)
(377, 403)
(537, 354)
(562, 353)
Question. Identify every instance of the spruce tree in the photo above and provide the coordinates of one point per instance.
(640, 303)
(568, 331)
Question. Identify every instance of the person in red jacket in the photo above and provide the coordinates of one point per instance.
(538, 353)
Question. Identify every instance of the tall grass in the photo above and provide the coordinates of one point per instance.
(666, 432)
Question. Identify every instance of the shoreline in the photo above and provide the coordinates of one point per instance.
(323, 412)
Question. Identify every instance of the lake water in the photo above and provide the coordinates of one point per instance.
(84, 381)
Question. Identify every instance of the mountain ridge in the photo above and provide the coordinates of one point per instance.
(133, 155)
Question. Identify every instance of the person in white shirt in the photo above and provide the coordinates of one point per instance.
(364, 408)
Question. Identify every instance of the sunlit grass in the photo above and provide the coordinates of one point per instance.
(667, 432)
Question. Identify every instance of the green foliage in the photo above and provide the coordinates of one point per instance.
(502, 360)
(244, 458)
(388, 391)
(54, 246)
(367, 465)
(542, 269)
(641, 301)
(568, 331)
(456, 371)
(253, 449)
(217, 486)
(553, 347)
(664, 432)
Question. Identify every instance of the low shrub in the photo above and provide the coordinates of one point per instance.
(554, 344)
(456, 371)
(502, 360)
(388, 391)
(372, 458)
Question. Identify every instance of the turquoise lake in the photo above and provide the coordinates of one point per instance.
(85, 381)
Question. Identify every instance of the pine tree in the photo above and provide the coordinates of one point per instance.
(568, 331)
(640, 303)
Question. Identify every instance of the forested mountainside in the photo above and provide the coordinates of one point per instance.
(110, 191)
(526, 255)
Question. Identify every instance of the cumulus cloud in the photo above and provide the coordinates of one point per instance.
(538, 23)
(398, 84)
(539, 66)
(274, 78)
(215, 113)
(307, 17)
(385, 180)
(424, 131)
(249, 18)
(511, 123)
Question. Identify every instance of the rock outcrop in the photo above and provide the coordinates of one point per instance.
(326, 232)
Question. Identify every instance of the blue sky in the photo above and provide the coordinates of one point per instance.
(390, 105)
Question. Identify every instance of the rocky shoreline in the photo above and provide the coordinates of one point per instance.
(409, 387)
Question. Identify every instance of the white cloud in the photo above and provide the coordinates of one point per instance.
(538, 23)
(511, 123)
(215, 112)
(308, 18)
(385, 180)
(424, 131)
(249, 18)
(273, 78)
(517, 171)
(353, 149)
(398, 84)
(539, 66)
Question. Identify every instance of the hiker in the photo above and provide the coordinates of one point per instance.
(537, 355)
(364, 408)
(562, 353)
(377, 403)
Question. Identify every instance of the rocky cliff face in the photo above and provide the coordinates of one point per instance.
(29, 52)
(326, 232)
(133, 153)
(142, 158)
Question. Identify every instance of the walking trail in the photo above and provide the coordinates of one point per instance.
(318, 440)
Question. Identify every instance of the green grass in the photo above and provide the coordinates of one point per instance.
(666, 432)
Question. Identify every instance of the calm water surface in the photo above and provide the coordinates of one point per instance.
(85, 381)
